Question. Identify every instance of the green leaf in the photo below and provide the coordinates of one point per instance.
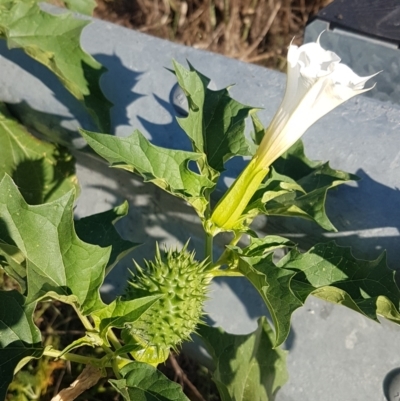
(81, 6)
(19, 337)
(166, 168)
(274, 286)
(54, 41)
(256, 250)
(142, 382)
(259, 247)
(42, 171)
(247, 367)
(121, 313)
(327, 271)
(89, 340)
(297, 187)
(99, 229)
(216, 122)
(368, 287)
(56, 262)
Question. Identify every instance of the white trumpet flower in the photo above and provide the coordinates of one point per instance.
(316, 83)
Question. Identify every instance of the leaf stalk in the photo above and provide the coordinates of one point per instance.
(74, 358)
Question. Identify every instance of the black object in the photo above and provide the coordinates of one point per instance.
(375, 18)
(391, 385)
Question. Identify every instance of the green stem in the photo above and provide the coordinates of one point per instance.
(209, 247)
(115, 342)
(236, 238)
(89, 327)
(107, 350)
(115, 369)
(73, 357)
(226, 273)
(209, 237)
(113, 339)
(85, 321)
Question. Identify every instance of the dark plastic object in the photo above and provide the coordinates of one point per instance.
(375, 18)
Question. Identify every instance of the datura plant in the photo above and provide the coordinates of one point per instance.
(51, 257)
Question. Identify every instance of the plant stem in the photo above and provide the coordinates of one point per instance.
(209, 247)
(115, 342)
(209, 237)
(226, 273)
(236, 238)
(73, 357)
(85, 321)
(113, 339)
(107, 350)
(115, 369)
(89, 327)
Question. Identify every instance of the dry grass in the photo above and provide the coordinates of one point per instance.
(256, 31)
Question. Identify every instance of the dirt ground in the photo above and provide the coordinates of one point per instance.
(256, 31)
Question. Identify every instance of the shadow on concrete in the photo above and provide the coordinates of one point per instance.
(167, 135)
(118, 84)
(34, 118)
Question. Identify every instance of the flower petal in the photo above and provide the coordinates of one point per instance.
(316, 83)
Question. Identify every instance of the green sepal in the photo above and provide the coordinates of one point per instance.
(142, 351)
(259, 129)
(121, 313)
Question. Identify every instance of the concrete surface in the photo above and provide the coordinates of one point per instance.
(334, 353)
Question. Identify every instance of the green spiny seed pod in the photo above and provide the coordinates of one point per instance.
(182, 283)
